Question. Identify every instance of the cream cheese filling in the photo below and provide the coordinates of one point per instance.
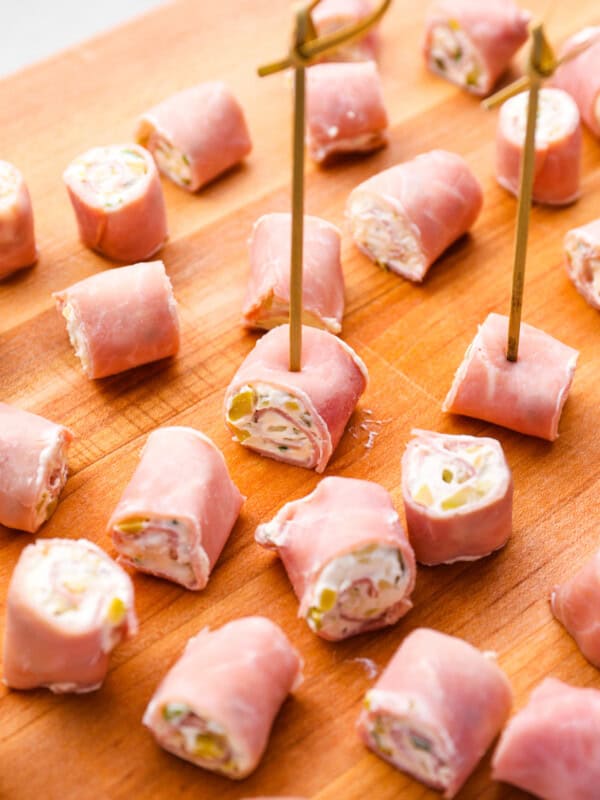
(112, 174)
(51, 477)
(584, 263)
(274, 312)
(557, 117)
(172, 162)
(351, 144)
(9, 183)
(76, 336)
(452, 55)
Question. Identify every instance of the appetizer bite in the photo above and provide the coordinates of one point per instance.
(295, 417)
(471, 43)
(330, 16)
(196, 134)
(345, 112)
(436, 709)
(17, 239)
(33, 458)
(551, 747)
(406, 216)
(118, 202)
(120, 319)
(576, 603)
(557, 147)
(68, 606)
(216, 706)
(526, 395)
(347, 556)
(178, 509)
(582, 250)
(267, 300)
(580, 77)
(457, 493)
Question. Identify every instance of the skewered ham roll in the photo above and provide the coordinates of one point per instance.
(576, 604)
(457, 493)
(118, 202)
(295, 417)
(196, 134)
(405, 217)
(557, 147)
(471, 43)
(347, 556)
(267, 300)
(345, 110)
(216, 706)
(33, 471)
(551, 748)
(527, 395)
(17, 239)
(178, 509)
(120, 319)
(330, 16)
(582, 250)
(69, 605)
(436, 709)
(580, 77)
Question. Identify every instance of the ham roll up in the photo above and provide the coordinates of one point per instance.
(406, 216)
(17, 238)
(33, 467)
(196, 134)
(120, 319)
(457, 494)
(347, 556)
(216, 706)
(527, 395)
(295, 417)
(178, 509)
(330, 16)
(69, 605)
(118, 201)
(267, 300)
(551, 748)
(576, 603)
(436, 709)
(580, 77)
(582, 250)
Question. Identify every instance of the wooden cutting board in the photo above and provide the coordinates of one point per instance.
(412, 338)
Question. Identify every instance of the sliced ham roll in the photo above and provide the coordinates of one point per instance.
(69, 605)
(457, 493)
(17, 238)
(295, 417)
(576, 603)
(33, 467)
(436, 709)
(582, 250)
(406, 216)
(120, 319)
(267, 300)
(178, 509)
(527, 395)
(216, 706)
(345, 110)
(330, 16)
(196, 134)
(551, 748)
(557, 147)
(580, 77)
(118, 202)
(471, 43)
(347, 556)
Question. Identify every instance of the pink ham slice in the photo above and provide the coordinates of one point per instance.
(342, 517)
(576, 603)
(436, 709)
(582, 250)
(122, 318)
(551, 748)
(330, 16)
(228, 685)
(345, 110)
(405, 217)
(267, 299)
(196, 134)
(17, 238)
(472, 43)
(33, 467)
(527, 395)
(178, 509)
(580, 77)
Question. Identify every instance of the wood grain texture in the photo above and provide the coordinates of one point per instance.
(412, 338)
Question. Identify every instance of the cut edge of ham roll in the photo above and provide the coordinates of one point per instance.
(580, 76)
(17, 237)
(457, 493)
(582, 251)
(69, 605)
